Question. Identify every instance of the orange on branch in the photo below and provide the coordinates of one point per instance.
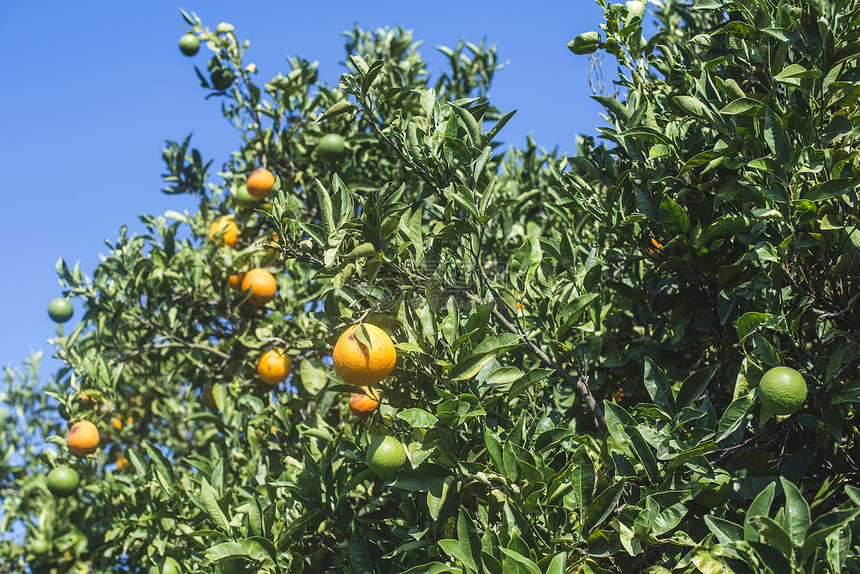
(364, 404)
(274, 366)
(262, 285)
(83, 438)
(362, 365)
(260, 183)
(228, 229)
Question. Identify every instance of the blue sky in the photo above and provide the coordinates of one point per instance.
(91, 91)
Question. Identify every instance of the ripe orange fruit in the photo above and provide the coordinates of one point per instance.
(116, 423)
(260, 183)
(262, 285)
(363, 405)
(274, 366)
(209, 398)
(235, 280)
(228, 229)
(782, 390)
(83, 438)
(359, 364)
(121, 461)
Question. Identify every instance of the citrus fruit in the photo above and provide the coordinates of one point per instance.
(362, 405)
(385, 455)
(260, 183)
(359, 364)
(262, 285)
(244, 198)
(116, 423)
(39, 546)
(209, 398)
(274, 366)
(121, 461)
(715, 491)
(331, 147)
(782, 390)
(230, 566)
(221, 77)
(60, 310)
(62, 481)
(83, 438)
(235, 280)
(227, 228)
(189, 44)
(169, 566)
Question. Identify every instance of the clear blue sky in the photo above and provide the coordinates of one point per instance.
(92, 89)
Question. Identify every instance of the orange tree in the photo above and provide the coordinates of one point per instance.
(578, 340)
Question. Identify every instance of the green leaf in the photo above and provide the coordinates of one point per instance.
(672, 217)
(797, 517)
(436, 496)
(824, 526)
(775, 136)
(558, 564)
(741, 106)
(838, 127)
(725, 530)
(658, 387)
(418, 418)
(163, 467)
(749, 323)
(470, 543)
(210, 503)
(525, 564)
(583, 477)
(694, 385)
(470, 123)
(733, 416)
(313, 375)
(341, 107)
(644, 453)
(453, 549)
(832, 188)
(759, 507)
(327, 216)
(773, 533)
(601, 507)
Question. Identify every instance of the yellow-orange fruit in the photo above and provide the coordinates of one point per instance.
(235, 280)
(83, 438)
(363, 405)
(228, 228)
(260, 183)
(262, 285)
(274, 366)
(362, 365)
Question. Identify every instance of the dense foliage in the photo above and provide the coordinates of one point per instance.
(579, 339)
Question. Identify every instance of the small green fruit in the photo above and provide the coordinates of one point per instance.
(169, 566)
(39, 546)
(60, 310)
(189, 44)
(331, 147)
(245, 199)
(63, 481)
(715, 492)
(221, 77)
(385, 455)
(782, 391)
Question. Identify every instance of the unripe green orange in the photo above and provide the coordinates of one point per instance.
(782, 390)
